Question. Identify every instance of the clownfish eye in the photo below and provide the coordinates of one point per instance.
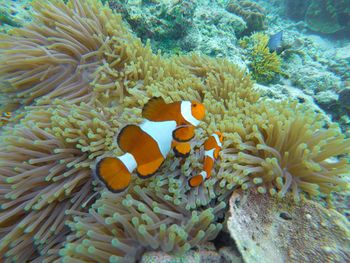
(194, 105)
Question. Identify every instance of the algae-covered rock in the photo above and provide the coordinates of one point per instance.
(296, 9)
(214, 33)
(266, 229)
(208, 255)
(326, 16)
(322, 16)
(201, 256)
(14, 14)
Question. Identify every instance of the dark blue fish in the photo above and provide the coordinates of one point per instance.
(275, 41)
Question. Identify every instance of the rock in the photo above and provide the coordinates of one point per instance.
(287, 91)
(270, 230)
(343, 53)
(313, 78)
(327, 99)
(214, 33)
(200, 256)
(344, 97)
(230, 255)
(14, 14)
(205, 254)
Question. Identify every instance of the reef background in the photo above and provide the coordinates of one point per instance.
(93, 76)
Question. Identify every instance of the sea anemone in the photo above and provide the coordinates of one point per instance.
(120, 228)
(45, 171)
(57, 54)
(46, 157)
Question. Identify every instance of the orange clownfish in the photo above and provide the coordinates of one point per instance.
(146, 145)
(5, 117)
(212, 147)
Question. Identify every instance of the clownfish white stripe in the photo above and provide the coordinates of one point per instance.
(217, 139)
(129, 161)
(203, 174)
(210, 153)
(161, 132)
(186, 113)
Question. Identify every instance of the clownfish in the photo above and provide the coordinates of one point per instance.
(212, 147)
(147, 145)
(5, 117)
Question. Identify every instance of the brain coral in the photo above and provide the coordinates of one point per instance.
(45, 158)
(252, 13)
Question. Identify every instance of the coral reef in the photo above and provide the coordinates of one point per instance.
(92, 77)
(214, 32)
(263, 64)
(323, 16)
(319, 68)
(296, 9)
(270, 230)
(163, 22)
(206, 26)
(328, 16)
(252, 13)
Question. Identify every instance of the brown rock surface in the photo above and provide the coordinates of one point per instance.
(266, 229)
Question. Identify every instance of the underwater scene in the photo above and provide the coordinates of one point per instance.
(175, 131)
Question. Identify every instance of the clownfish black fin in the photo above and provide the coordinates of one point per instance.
(182, 149)
(153, 108)
(147, 170)
(113, 174)
(127, 136)
(183, 134)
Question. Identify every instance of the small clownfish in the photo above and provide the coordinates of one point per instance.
(146, 145)
(5, 117)
(212, 147)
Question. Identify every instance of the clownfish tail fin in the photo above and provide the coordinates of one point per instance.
(114, 173)
(182, 149)
(153, 108)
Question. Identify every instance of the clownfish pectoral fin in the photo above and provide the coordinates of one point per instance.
(153, 108)
(184, 133)
(127, 136)
(195, 181)
(182, 149)
(150, 168)
(113, 173)
(216, 152)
